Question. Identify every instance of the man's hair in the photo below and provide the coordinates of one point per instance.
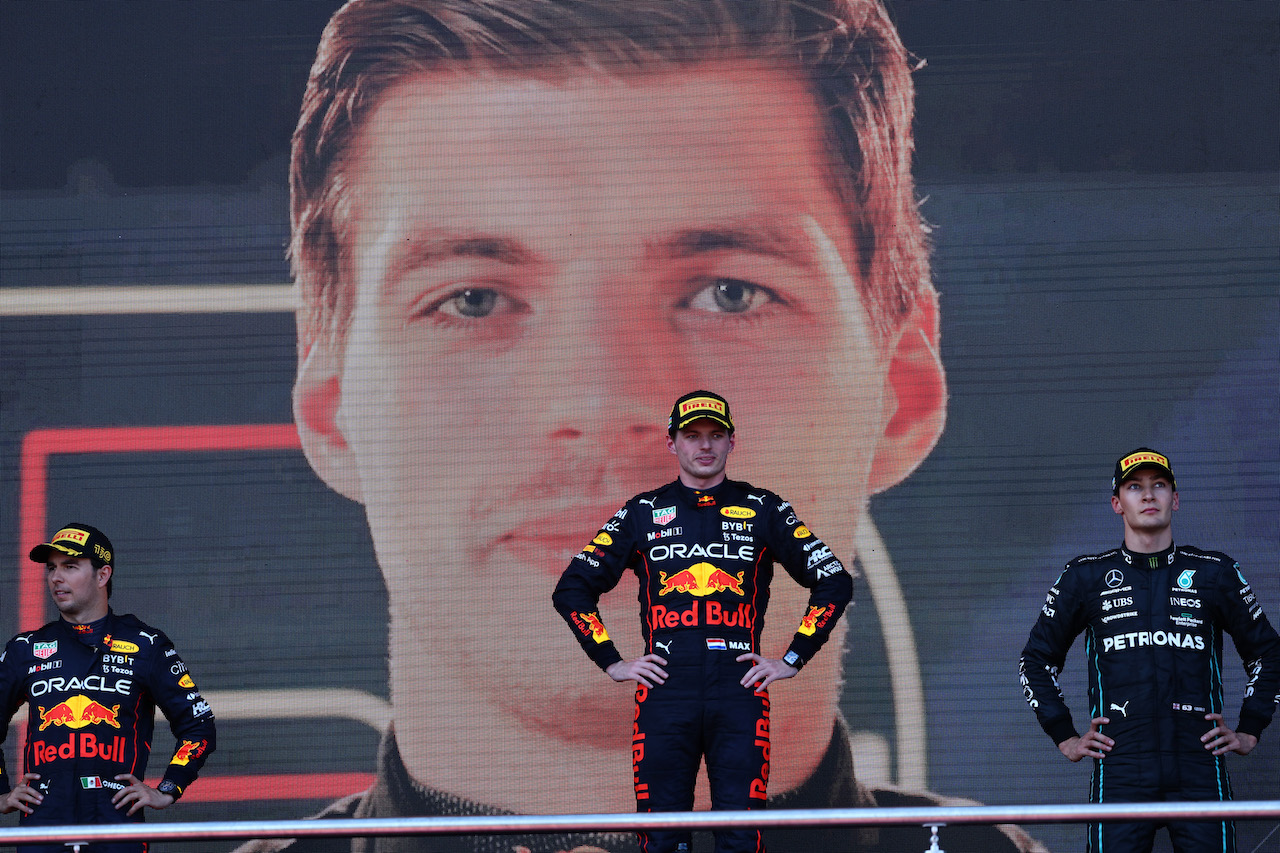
(847, 51)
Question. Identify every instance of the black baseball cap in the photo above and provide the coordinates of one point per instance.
(76, 540)
(1143, 457)
(699, 404)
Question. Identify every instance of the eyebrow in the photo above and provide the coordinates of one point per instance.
(753, 237)
(432, 247)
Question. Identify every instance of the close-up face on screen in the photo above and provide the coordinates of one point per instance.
(352, 326)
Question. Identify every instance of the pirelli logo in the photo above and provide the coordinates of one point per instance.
(1143, 458)
(701, 404)
(70, 534)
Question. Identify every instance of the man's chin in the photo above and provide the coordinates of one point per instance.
(575, 716)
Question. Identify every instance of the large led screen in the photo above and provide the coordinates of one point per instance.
(347, 498)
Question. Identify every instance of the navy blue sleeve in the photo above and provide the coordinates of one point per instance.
(812, 564)
(11, 699)
(189, 715)
(591, 573)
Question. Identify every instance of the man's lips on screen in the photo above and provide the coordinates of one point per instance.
(549, 542)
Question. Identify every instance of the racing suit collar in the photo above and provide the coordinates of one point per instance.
(690, 495)
(1159, 558)
(105, 626)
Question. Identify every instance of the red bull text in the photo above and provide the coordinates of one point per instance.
(83, 745)
(714, 613)
(760, 784)
(637, 746)
(187, 751)
(816, 618)
(590, 625)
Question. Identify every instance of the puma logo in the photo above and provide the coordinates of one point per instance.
(1123, 709)
(757, 498)
(648, 501)
(151, 637)
(666, 647)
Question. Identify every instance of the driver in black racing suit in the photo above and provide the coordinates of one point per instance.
(92, 680)
(1153, 615)
(703, 548)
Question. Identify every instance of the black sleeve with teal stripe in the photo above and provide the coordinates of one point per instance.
(1045, 653)
(1241, 615)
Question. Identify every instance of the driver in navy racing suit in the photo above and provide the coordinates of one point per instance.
(92, 680)
(703, 548)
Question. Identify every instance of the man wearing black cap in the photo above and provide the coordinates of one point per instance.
(1154, 614)
(92, 680)
(703, 548)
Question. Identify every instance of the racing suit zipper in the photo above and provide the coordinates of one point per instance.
(1157, 576)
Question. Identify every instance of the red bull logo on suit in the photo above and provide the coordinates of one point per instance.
(78, 712)
(700, 579)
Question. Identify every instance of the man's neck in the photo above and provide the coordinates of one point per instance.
(702, 484)
(85, 617)
(1141, 542)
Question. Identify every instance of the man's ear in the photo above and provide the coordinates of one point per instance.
(104, 573)
(317, 395)
(915, 398)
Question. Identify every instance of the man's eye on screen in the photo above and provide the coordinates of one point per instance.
(731, 296)
(472, 303)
